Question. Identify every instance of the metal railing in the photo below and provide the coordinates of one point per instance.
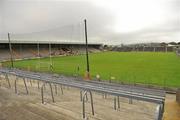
(137, 93)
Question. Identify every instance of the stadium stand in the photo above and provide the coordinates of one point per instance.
(4, 54)
(25, 51)
(144, 48)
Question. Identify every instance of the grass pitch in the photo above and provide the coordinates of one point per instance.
(155, 68)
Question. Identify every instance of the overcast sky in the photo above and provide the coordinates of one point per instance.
(109, 21)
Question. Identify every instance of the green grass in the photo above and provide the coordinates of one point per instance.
(162, 69)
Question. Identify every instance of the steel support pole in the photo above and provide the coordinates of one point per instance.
(105, 96)
(15, 85)
(114, 103)
(118, 101)
(7, 79)
(130, 101)
(51, 92)
(83, 104)
(25, 86)
(42, 94)
(44, 86)
(30, 83)
(158, 113)
(80, 95)
(161, 111)
(92, 106)
(87, 54)
(62, 90)
(86, 98)
(55, 86)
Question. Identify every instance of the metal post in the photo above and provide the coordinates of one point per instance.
(86, 98)
(81, 95)
(51, 92)
(162, 107)
(92, 106)
(55, 88)
(87, 56)
(83, 104)
(118, 102)
(114, 103)
(61, 89)
(38, 84)
(130, 100)
(105, 95)
(30, 83)
(15, 85)
(10, 50)
(25, 85)
(44, 86)
(7, 79)
(158, 113)
(42, 94)
(161, 111)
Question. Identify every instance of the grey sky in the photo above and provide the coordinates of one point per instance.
(109, 21)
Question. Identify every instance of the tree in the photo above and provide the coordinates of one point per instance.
(173, 43)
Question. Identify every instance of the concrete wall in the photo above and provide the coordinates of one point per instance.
(178, 96)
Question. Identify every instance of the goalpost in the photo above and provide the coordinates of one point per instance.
(67, 35)
(44, 66)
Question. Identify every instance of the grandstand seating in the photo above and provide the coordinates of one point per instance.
(143, 49)
(32, 51)
(4, 54)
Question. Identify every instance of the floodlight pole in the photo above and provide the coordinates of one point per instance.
(87, 56)
(10, 50)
